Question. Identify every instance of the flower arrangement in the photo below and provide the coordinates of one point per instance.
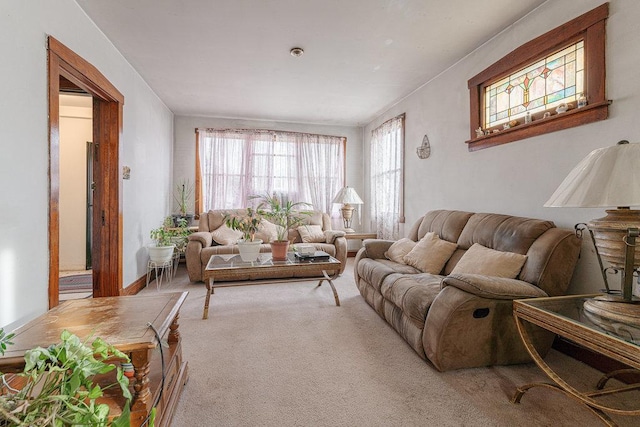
(248, 223)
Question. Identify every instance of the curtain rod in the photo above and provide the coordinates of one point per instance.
(265, 131)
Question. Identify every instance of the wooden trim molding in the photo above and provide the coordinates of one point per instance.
(589, 27)
(107, 131)
(135, 287)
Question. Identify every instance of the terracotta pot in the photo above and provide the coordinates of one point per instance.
(279, 249)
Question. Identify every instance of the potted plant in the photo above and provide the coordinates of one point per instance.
(57, 387)
(248, 224)
(162, 251)
(183, 197)
(178, 234)
(286, 215)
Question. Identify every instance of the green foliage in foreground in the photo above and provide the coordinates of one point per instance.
(60, 390)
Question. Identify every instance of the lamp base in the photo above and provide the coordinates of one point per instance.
(616, 298)
(628, 314)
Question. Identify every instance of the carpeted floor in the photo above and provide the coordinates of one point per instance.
(284, 355)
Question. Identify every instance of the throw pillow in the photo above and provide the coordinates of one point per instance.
(224, 235)
(399, 249)
(489, 262)
(267, 232)
(311, 233)
(430, 254)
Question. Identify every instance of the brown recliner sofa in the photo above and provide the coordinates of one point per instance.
(201, 246)
(466, 320)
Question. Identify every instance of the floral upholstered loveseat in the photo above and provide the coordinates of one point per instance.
(214, 237)
(448, 288)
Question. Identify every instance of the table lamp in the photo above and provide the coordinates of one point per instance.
(347, 197)
(609, 178)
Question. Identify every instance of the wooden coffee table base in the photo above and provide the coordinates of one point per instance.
(211, 287)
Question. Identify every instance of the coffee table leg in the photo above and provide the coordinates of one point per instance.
(209, 284)
(333, 288)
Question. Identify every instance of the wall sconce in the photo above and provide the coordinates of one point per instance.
(425, 149)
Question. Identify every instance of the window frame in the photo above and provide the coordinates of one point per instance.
(590, 27)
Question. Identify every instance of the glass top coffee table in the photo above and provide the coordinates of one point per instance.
(231, 267)
(608, 328)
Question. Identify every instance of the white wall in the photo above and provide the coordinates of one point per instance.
(76, 128)
(147, 147)
(185, 140)
(517, 178)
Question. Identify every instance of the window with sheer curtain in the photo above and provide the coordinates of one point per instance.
(387, 166)
(238, 163)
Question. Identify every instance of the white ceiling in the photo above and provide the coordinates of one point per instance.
(230, 58)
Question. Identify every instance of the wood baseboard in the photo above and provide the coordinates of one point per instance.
(595, 360)
(135, 287)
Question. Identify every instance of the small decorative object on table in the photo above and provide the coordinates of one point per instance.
(582, 101)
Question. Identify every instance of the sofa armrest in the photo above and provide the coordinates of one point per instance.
(493, 287)
(204, 237)
(331, 235)
(375, 248)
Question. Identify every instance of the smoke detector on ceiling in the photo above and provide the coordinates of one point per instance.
(297, 52)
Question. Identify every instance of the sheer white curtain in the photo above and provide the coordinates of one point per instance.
(236, 164)
(387, 187)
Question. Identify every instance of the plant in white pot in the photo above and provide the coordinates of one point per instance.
(286, 215)
(248, 224)
(162, 250)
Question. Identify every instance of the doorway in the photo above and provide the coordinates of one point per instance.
(65, 67)
(75, 192)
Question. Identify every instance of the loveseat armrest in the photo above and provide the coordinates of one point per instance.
(204, 237)
(493, 287)
(375, 248)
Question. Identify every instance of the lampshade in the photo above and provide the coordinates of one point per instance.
(607, 177)
(348, 196)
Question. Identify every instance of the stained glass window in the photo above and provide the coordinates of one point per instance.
(545, 84)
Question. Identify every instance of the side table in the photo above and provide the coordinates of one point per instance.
(358, 236)
(573, 318)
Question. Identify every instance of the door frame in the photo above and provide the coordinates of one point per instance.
(108, 105)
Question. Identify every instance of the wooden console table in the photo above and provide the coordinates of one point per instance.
(589, 323)
(126, 323)
(358, 236)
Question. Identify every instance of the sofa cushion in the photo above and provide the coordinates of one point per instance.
(374, 271)
(413, 294)
(489, 262)
(430, 254)
(312, 234)
(224, 235)
(399, 249)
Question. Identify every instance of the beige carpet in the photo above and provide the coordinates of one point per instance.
(284, 355)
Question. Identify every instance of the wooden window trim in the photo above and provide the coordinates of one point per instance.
(589, 27)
